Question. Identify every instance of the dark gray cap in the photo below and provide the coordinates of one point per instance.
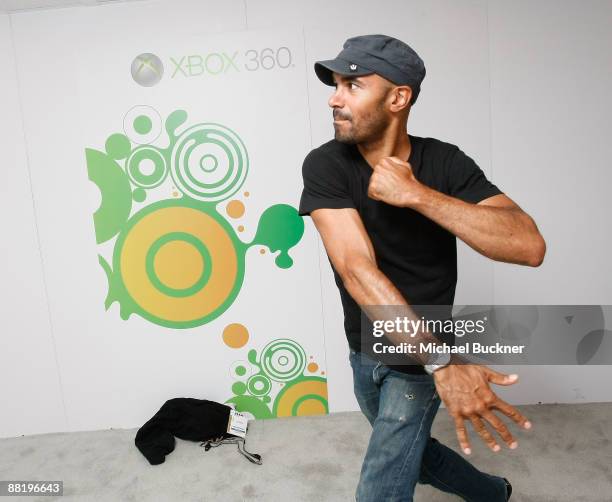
(386, 56)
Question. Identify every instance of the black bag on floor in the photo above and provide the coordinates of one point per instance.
(190, 419)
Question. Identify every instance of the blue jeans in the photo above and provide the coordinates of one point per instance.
(401, 408)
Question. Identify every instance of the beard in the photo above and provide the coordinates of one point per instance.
(364, 129)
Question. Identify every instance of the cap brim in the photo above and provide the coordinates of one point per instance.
(326, 69)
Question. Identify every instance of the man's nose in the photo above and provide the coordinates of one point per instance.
(335, 100)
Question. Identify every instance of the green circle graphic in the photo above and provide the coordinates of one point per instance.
(234, 154)
(292, 364)
(216, 183)
(215, 163)
(239, 388)
(143, 124)
(259, 385)
(147, 180)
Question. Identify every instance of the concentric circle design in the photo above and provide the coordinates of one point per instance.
(283, 360)
(146, 167)
(259, 385)
(201, 265)
(179, 265)
(305, 397)
(133, 124)
(209, 162)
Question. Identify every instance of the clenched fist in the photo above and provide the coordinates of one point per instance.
(393, 182)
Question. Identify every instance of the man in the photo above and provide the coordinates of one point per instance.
(389, 206)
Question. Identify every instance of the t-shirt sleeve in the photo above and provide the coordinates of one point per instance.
(326, 184)
(467, 181)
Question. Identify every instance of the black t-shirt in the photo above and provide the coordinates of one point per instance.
(417, 255)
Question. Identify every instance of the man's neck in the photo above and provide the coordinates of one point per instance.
(391, 144)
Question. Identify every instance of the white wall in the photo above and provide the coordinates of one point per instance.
(30, 382)
(521, 86)
(550, 107)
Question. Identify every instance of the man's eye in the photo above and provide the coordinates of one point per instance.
(354, 85)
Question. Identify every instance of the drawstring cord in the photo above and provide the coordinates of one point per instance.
(213, 443)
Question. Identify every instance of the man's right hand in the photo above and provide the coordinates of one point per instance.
(465, 391)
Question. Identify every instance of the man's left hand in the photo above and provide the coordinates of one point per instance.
(393, 182)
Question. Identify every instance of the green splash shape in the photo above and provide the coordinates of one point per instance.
(280, 228)
(174, 120)
(116, 194)
(251, 404)
(118, 146)
(116, 292)
(252, 357)
(109, 277)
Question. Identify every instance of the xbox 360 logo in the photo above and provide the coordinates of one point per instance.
(147, 69)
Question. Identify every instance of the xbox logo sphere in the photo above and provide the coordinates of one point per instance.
(147, 69)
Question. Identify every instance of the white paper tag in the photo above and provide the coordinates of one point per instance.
(237, 423)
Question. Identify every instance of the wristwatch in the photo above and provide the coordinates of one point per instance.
(440, 361)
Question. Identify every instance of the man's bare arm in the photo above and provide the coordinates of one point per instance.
(352, 254)
(495, 227)
(464, 389)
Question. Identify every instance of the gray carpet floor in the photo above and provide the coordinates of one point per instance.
(566, 457)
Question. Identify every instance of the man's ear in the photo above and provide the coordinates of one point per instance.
(401, 96)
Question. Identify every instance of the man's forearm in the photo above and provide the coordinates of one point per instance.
(500, 233)
(371, 288)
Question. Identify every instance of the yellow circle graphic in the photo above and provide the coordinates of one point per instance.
(311, 407)
(235, 209)
(178, 264)
(315, 392)
(235, 335)
(223, 263)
